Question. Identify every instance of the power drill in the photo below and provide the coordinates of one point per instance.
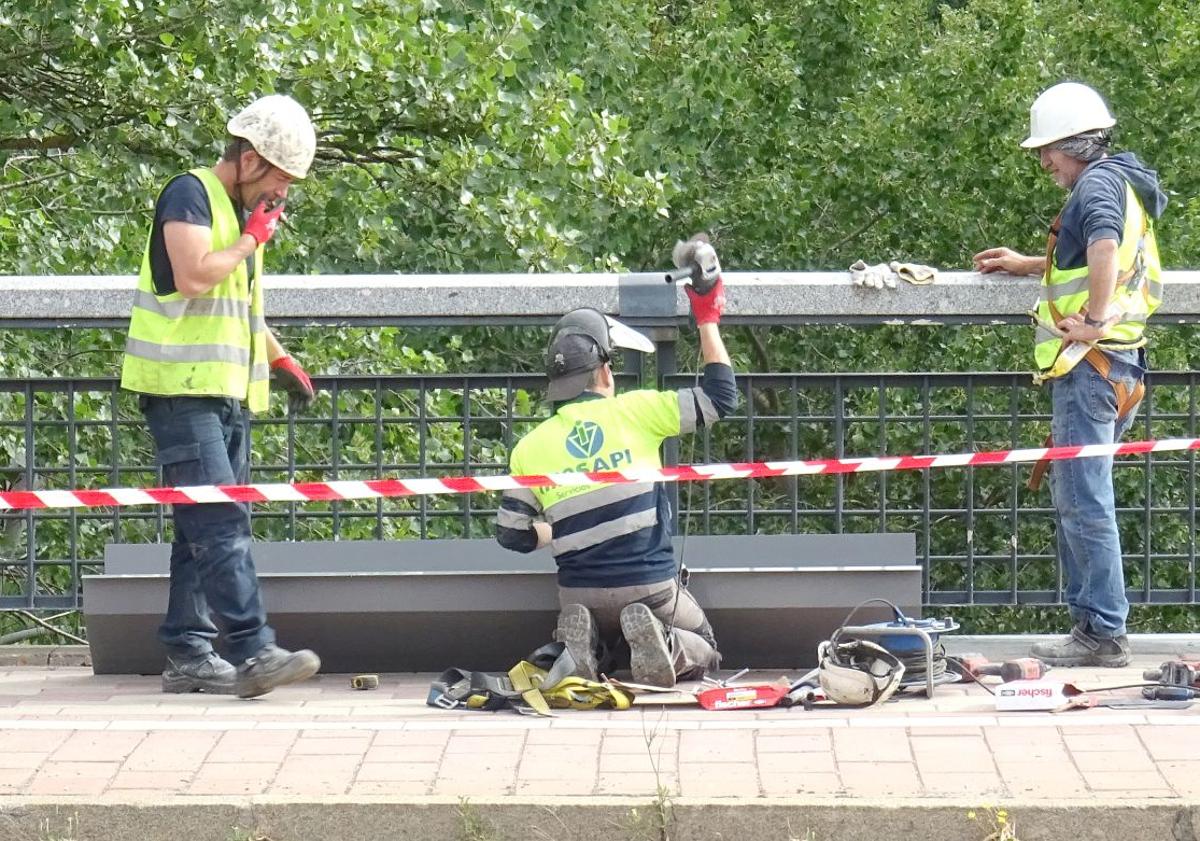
(1175, 673)
(1181, 678)
(1023, 668)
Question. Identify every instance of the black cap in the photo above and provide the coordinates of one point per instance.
(570, 361)
(581, 342)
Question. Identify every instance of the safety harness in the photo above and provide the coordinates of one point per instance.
(1072, 353)
(543, 681)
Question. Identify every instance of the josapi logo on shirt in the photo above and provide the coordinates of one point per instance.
(584, 441)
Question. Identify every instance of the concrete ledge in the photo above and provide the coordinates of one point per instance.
(623, 819)
(997, 647)
(776, 297)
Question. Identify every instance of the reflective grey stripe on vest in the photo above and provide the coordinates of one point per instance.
(221, 307)
(1156, 289)
(605, 531)
(687, 411)
(1055, 291)
(708, 410)
(1041, 334)
(591, 500)
(513, 519)
(260, 371)
(188, 353)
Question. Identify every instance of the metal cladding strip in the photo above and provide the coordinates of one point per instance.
(376, 488)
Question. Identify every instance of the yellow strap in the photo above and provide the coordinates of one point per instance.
(580, 694)
(527, 679)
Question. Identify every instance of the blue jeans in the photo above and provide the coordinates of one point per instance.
(205, 441)
(1085, 412)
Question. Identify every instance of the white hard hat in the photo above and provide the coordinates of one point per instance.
(858, 673)
(279, 129)
(1063, 111)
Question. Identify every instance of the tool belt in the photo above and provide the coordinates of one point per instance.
(1127, 401)
(543, 681)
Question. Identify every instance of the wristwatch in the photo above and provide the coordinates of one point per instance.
(1092, 322)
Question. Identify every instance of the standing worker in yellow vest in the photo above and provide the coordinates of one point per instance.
(199, 354)
(617, 575)
(1101, 281)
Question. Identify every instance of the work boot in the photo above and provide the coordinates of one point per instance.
(273, 666)
(207, 673)
(1080, 648)
(649, 658)
(577, 629)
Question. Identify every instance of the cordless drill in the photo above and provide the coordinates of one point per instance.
(1023, 668)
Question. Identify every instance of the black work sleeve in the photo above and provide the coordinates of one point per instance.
(720, 387)
(514, 521)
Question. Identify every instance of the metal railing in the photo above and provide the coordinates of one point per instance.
(981, 536)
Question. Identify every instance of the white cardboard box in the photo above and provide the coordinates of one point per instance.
(1032, 695)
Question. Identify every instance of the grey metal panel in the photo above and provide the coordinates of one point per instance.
(361, 556)
(647, 295)
(429, 621)
(347, 557)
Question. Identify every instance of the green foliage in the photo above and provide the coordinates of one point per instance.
(479, 135)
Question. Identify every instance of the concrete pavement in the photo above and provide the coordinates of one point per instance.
(73, 741)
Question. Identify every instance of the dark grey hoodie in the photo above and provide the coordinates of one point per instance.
(1096, 207)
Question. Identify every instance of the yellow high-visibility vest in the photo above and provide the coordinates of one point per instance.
(211, 346)
(1137, 296)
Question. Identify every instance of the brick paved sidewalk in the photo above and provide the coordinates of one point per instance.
(67, 733)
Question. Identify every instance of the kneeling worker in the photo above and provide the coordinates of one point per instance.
(617, 573)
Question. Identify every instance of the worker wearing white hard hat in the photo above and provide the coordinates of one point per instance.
(199, 355)
(1101, 282)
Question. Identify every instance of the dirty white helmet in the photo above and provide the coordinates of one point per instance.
(1065, 110)
(858, 673)
(279, 129)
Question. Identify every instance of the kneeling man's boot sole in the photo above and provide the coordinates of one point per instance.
(650, 659)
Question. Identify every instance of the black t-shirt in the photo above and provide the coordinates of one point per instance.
(184, 199)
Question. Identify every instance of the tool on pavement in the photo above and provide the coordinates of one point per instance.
(750, 696)
(1176, 673)
(915, 642)
(976, 665)
(1170, 693)
(724, 695)
(364, 682)
(858, 673)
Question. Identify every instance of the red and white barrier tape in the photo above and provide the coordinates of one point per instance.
(382, 488)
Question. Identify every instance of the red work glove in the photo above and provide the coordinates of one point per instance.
(708, 307)
(297, 384)
(262, 222)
